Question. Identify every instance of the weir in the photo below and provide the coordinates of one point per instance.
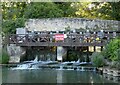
(38, 64)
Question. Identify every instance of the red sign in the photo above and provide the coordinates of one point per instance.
(59, 37)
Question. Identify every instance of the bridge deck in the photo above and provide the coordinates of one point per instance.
(73, 39)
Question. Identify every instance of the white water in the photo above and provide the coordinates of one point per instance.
(61, 68)
(23, 66)
(36, 59)
(35, 64)
(28, 64)
(78, 61)
(82, 69)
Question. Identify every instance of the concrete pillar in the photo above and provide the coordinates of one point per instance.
(61, 53)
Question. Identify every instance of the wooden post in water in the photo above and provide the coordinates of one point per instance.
(56, 53)
(94, 49)
(101, 48)
(87, 60)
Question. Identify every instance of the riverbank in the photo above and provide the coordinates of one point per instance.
(112, 74)
(109, 71)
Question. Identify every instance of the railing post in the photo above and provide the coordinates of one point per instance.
(80, 40)
(108, 37)
(94, 37)
(71, 41)
(26, 39)
(114, 34)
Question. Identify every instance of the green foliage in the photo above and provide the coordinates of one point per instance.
(9, 26)
(13, 10)
(68, 10)
(43, 10)
(111, 50)
(97, 59)
(100, 10)
(117, 54)
(82, 10)
(4, 58)
(13, 16)
(92, 10)
(115, 10)
(72, 56)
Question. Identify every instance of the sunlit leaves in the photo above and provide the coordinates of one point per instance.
(13, 10)
(99, 10)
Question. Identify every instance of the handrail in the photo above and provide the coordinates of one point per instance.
(73, 39)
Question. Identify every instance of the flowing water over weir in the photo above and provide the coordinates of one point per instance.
(73, 65)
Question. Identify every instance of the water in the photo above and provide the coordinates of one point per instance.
(30, 72)
(28, 64)
(35, 64)
(61, 67)
(36, 59)
(51, 76)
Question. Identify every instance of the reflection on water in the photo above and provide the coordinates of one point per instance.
(0, 74)
(59, 76)
(51, 76)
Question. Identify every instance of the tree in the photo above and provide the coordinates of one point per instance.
(42, 10)
(115, 7)
(13, 16)
(13, 10)
(99, 10)
(9, 26)
(68, 10)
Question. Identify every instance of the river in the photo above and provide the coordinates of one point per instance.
(51, 76)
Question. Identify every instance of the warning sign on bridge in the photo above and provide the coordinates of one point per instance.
(59, 37)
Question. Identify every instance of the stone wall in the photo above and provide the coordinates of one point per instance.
(15, 53)
(60, 24)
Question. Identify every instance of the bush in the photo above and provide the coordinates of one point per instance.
(72, 56)
(97, 59)
(110, 51)
(4, 58)
(116, 64)
(117, 54)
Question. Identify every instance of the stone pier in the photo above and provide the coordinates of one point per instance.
(15, 53)
(61, 53)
